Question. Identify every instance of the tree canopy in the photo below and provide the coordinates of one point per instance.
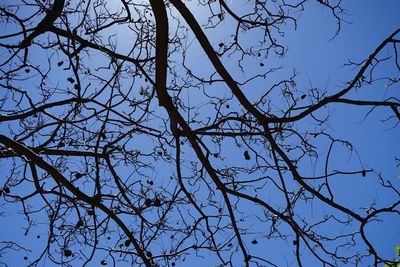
(181, 133)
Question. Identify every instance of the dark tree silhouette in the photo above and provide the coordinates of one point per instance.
(130, 134)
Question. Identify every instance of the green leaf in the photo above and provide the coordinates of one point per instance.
(397, 249)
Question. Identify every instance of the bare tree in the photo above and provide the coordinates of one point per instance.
(131, 134)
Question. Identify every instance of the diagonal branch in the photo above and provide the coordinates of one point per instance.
(59, 178)
(44, 25)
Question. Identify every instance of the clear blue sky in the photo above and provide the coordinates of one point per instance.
(319, 61)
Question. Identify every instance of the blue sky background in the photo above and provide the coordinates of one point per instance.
(319, 62)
